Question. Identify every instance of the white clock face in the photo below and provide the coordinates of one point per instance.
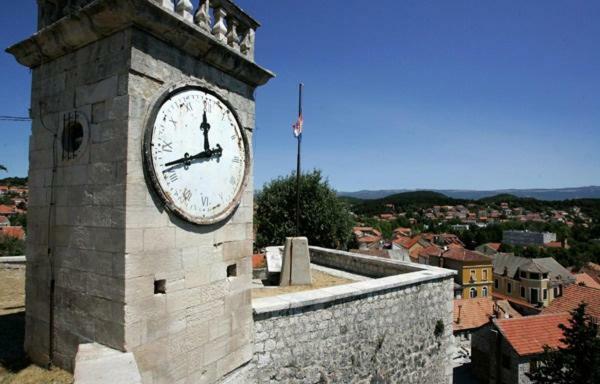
(198, 156)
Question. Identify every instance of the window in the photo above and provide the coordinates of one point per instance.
(473, 275)
(484, 291)
(509, 287)
(496, 283)
(522, 291)
(545, 275)
(523, 274)
(485, 275)
(473, 293)
(534, 276)
(545, 293)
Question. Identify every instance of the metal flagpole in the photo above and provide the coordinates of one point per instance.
(299, 137)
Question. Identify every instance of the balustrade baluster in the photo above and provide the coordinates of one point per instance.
(202, 16)
(166, 4)
(219, 29)
(247, 46)
(233, 40)
(184, 8)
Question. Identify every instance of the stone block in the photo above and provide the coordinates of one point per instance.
(295, 268)
(97, 364)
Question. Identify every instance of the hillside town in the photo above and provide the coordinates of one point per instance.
(164, 235)
(13, 219)
(522, 299)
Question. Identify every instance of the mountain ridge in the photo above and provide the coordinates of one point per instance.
(547, 194)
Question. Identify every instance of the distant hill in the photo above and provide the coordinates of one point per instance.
(14, 181)
(403, 200)
(591, 192)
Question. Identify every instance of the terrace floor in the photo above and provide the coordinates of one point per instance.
(322, 277)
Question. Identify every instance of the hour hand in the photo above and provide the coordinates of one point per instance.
(205, 127)
(187, 159)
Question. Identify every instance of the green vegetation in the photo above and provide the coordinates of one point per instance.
(406, 201)
(324, 220)
(14, 181)
(10, 246)
(576, 363)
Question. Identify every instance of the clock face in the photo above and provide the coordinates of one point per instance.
(197, 156)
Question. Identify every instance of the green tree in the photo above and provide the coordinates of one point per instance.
(324, 218)
(576, 363)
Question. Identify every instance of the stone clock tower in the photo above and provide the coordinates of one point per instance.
(140, 234)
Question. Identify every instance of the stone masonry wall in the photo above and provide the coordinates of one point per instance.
(380, 337)
(201, 329)
(84, 231)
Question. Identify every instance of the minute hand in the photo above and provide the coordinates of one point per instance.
(202, 155)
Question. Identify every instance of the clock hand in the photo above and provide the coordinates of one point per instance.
(187, 159)
(205, 127)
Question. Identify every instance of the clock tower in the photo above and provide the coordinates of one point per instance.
(140, 220)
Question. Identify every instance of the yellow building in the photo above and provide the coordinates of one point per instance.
(474, 270)
(535, 281)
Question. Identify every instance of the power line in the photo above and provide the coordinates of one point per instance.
(14, 118)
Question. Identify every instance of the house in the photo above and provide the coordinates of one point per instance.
(593, 270)
(368, 237)
(4, 221)
(586, 280)
(572, 296)
(3, 190)
(7, 210)
(470, 315)
(489, 249)
(474, 270)
(534, 281)
(507, 349)
(401, 231)
(409, 246)
(525, 238)
(16, 232)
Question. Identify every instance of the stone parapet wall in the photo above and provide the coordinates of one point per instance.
(380, 330)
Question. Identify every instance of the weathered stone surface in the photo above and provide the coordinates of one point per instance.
(97, 364)
(295, 267)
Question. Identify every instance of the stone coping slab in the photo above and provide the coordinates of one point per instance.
(103, 18)
(421, 274)
(97, 364)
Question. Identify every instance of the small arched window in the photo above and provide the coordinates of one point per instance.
(484, 291)
(473, 293)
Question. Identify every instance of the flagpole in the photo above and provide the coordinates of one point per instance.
(298, 164)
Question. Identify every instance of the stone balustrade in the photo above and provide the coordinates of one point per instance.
(221, 19)
(224, 20)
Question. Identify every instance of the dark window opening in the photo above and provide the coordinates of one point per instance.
(72, 138)
(534, 276)
(522, 292)
(160, 287)
(496, 284)
(509, 288)
(232, 270)
(523, 274)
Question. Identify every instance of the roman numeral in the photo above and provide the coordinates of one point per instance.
(167, 147)
(237, 160)
(204, 201)
(173, 177)
(186, 195)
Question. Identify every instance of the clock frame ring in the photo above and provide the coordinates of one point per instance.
(148, 161)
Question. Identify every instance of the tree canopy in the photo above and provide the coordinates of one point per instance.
(324, 218)
(576, 363)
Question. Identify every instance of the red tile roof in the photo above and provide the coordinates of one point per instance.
(16, 232)
(6, 209)
(474, 313)
(581, 279)
(572, 296)
(494, 246)
(369, 239)
(528, 335)
(4, 220)
(462, 254)
(553, 244)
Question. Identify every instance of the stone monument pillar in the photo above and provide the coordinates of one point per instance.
(140, 220)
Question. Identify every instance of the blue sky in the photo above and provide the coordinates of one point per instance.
(406, 94)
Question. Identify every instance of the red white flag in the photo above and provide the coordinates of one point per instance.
(298, 126)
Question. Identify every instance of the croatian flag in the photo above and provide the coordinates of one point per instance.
(298, 126)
